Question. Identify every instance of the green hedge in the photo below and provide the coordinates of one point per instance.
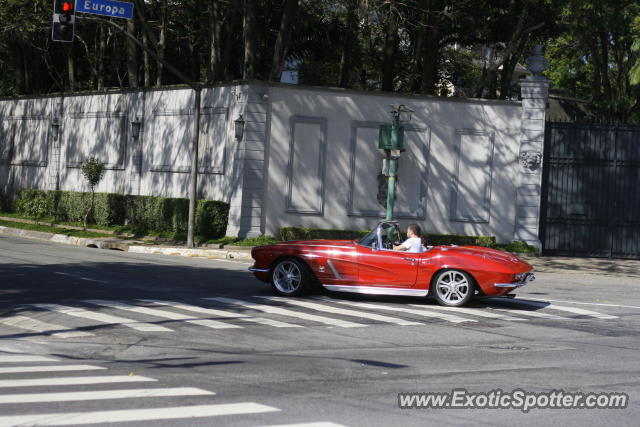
(300, 233)
(144, 214)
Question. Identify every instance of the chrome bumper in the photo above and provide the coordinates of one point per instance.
(528, 277)
(259, 270)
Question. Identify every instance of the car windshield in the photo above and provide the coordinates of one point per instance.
(369, 239)
(389, 233)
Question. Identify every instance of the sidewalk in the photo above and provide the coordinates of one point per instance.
(615, 267)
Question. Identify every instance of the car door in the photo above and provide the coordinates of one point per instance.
(387, 267)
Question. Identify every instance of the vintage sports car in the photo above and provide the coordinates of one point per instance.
(452, 274)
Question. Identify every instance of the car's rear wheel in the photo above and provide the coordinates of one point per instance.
(290, 277)
(452, 288)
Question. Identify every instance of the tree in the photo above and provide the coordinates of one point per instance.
(93, 171)
(634, 74)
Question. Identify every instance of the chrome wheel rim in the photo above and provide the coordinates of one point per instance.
(453, 287)
(287, 277)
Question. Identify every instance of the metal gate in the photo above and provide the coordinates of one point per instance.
(591, 191)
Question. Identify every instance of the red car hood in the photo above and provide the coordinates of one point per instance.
(489, 254)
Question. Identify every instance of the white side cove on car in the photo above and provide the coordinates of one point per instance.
(376, 290)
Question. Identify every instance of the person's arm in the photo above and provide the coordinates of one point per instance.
(402, 247)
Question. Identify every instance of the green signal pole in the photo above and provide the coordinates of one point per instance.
(393, 166)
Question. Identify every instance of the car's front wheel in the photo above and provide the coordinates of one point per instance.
(452, 288)
(290, 277)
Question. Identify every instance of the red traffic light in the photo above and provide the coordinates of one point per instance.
(67, 6)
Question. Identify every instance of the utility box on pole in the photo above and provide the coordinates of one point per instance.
(391, 141)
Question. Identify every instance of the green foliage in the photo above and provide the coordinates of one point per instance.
(453, 239)
(142, 214)
(93, 171)
(517, 247)
(301, 233)
(255, 241)
(212, 218)
(34, 207)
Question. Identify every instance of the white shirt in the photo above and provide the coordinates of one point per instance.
(414, 244)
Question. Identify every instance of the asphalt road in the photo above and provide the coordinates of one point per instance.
(94, 335)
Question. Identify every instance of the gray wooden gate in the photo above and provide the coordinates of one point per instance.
(591, 191)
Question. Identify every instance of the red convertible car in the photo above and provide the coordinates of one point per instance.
(452, 274)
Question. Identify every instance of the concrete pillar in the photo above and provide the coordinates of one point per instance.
(247, 184)
(54, 164)
(535, 94)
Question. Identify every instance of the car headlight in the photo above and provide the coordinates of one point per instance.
(523, 277)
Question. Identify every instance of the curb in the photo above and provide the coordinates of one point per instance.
(240, 254)
(104, 243)
(128, 245)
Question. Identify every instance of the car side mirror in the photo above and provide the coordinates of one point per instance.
(374, 245)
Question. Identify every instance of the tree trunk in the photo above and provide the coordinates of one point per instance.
(604, 42)
(350, 38)
(71, 75)
(390, 50)
(214, 41)
(282, 42)
(232, 21)
(430, 59)
(132, 55)
(146, 63)
(102, 45)
(17, 55)
(417, 43)
(250, 45)
(161, 40)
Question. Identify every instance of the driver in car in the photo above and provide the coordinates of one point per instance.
(413, 242)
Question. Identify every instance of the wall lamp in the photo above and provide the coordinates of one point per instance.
(55, 128)
(239, 128)
(136, 127)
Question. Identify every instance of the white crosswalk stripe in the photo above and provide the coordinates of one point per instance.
(48, 368)
(22, 358)
(333, 313)
(574, 310)
(291, 313)
(23, 322)
(213, 324)
(530, 313)
(318, 424)
(197, 309)
(63, 381)
(117, 415)
(129, 415)
(271, 322)
(472, 312)
(344, 312)
(422, 312)
(223, 313)
(103, 318)
(77, 396)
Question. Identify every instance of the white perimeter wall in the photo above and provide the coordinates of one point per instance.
(308, 157)
(459, 172)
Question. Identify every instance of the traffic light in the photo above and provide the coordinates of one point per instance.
(64, 20)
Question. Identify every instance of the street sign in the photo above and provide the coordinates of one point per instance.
(114, 9)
